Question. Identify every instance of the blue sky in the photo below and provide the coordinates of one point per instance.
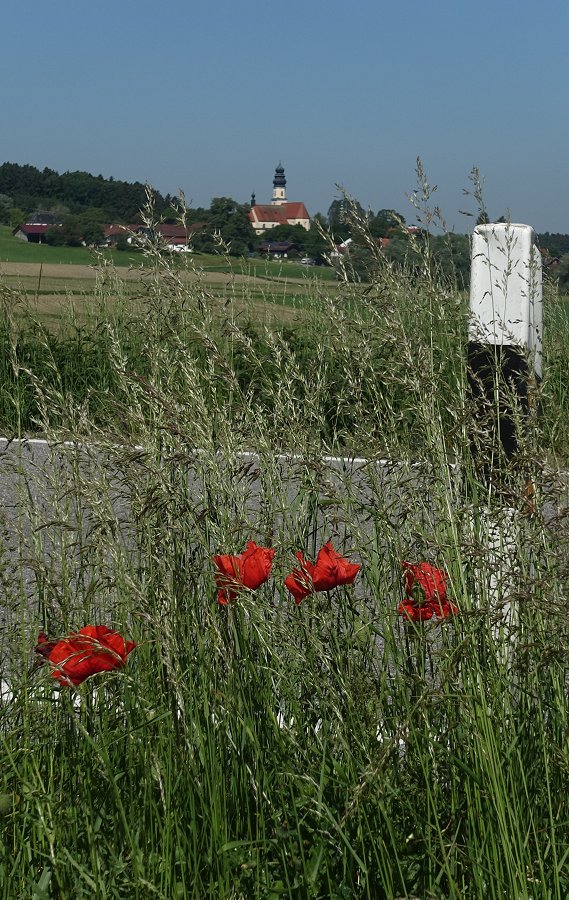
(208, 97)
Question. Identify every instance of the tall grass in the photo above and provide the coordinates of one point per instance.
(268, 750)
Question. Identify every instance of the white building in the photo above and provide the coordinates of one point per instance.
(279, 211)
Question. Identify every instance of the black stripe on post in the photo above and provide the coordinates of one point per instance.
(498, 377)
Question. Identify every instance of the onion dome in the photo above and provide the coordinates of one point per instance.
(279, 180)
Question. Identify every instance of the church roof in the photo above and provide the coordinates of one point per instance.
(280, 214)
(296, 210)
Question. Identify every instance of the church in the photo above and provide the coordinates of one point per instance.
(279, 211)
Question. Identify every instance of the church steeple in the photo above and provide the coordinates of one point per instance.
(279, 186)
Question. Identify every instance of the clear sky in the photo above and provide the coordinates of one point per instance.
(208, 97)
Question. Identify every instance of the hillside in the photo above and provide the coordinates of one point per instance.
(26, 188)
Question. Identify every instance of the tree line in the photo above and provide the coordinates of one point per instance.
(25, 189)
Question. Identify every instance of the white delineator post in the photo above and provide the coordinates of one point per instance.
(505, 288)
(504, 358)
(505, 327)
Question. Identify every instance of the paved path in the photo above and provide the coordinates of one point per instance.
(59, 503)
(68, 538)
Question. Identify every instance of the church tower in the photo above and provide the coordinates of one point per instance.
(279, 187)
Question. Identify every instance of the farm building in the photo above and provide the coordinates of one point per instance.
(174, 236)
(278, 249)
(36, 226)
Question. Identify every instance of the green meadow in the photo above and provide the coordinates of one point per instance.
(48, 284)
(263, 748)
(14, 250)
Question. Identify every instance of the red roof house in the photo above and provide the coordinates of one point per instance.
(34, 234)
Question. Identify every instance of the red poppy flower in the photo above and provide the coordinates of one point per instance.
(250, 570)
(426, 593)
(433, 581)
(414, 611)
(93, 649)
(329, 571)
(44, 645)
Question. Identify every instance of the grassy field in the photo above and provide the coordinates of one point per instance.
(49, 282)
(14, 250)
(263, 748)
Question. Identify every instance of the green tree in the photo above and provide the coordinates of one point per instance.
(6, 204)
(360, 264)
(196, 215)
(404, 252)
(451, 257)
(556, 244)
(91, 226)
(294, 233)
(386, 223)
(58, 209)
(341, 215)
(93, 232)
(73, 230)
(54, 236)
(316, 246)
(230, 220)
(77, 191)
(123, 244)
(17, 217)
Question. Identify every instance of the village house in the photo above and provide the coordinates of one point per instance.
(113, 233)
(34, 234)
(280, 211)
(35, 228)
(175, 237)
(279, 249)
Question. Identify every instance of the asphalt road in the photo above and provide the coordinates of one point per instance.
(71, 516)
(63, 505)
